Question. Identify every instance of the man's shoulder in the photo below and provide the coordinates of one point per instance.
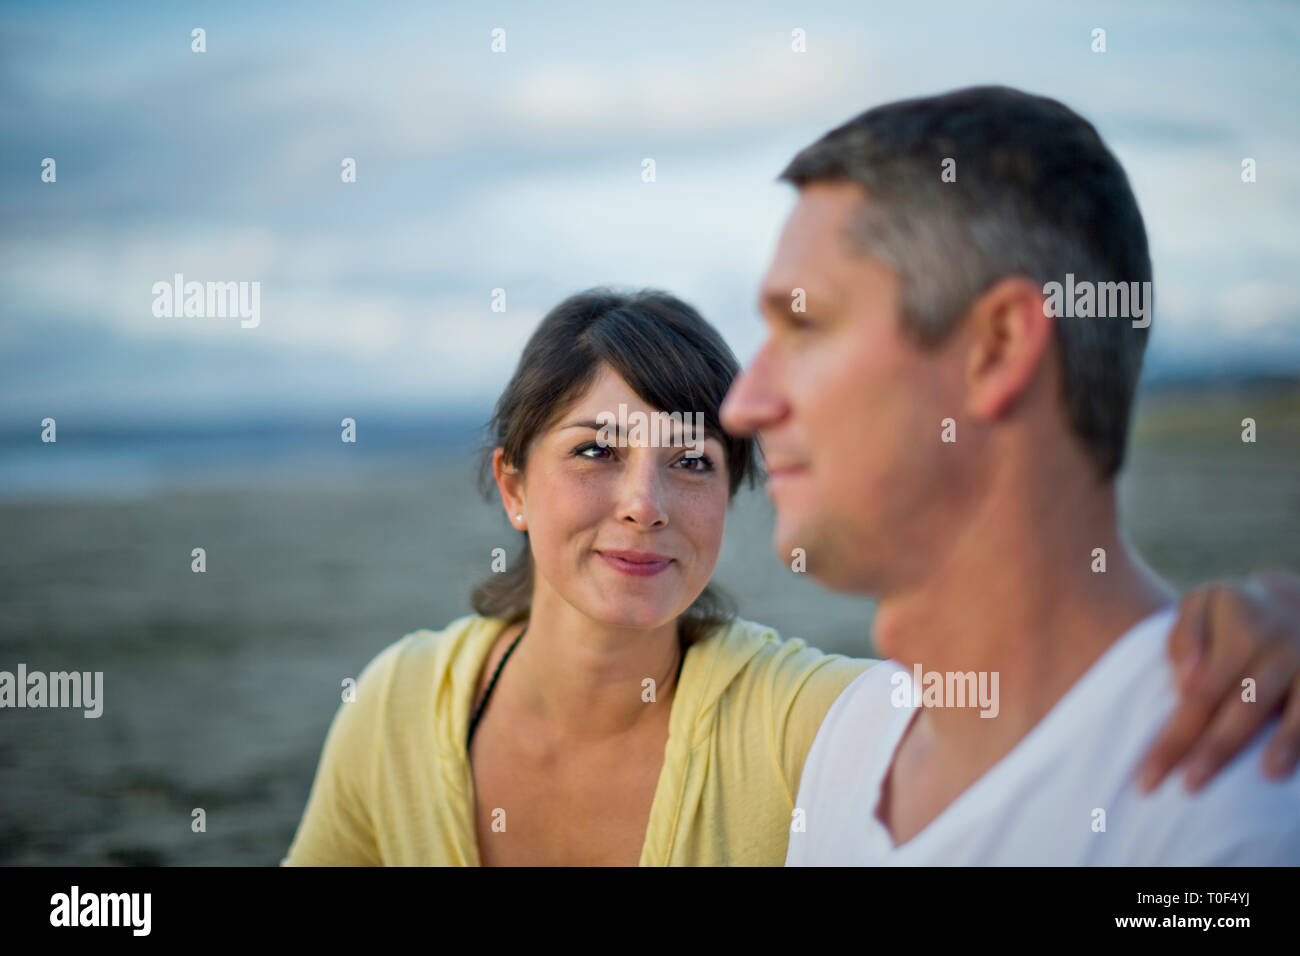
(841, 775)
(1240, 817)
(857, 725)
(874, 694)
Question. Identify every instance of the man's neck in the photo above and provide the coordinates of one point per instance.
(1020, 594)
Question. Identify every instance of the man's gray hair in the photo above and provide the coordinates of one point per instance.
(1036, 193)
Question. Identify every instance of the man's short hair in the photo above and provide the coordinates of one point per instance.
(1036, 193)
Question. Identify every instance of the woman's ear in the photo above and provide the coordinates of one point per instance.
(510, 482)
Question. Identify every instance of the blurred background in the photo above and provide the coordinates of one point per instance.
(518, 170)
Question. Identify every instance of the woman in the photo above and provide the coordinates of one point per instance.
(603, 706)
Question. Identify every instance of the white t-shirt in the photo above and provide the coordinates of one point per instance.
(1039, 804)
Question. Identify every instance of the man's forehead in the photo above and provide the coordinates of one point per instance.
(815, 247)
(820, 277)
(819, 249)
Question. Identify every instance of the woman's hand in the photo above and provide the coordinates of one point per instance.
(1227, 634)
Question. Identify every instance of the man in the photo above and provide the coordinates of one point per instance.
(943, 433)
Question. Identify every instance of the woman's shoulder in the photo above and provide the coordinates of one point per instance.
(771, 695)
(415, 693)
(446, 640)
(745, 657)
(760, 645)
(426, 660)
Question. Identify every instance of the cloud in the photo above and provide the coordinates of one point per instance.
(522, 171)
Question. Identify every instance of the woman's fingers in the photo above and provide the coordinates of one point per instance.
(1236, 656)
(1283, 753)
(1187, 650)
(1242, 712)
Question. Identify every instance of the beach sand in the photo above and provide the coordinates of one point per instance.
(219, 687)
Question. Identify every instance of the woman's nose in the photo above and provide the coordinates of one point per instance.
(641, 498)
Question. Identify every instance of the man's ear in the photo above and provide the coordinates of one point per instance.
(510, 482)
(1008, 337)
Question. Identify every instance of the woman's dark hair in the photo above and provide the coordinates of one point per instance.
(667, 353)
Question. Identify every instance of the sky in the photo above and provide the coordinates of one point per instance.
(522, 170)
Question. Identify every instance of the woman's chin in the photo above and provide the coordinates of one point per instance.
(642, 615)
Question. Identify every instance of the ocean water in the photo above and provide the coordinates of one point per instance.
(134, 460)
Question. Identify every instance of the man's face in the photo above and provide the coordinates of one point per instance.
(848, 411)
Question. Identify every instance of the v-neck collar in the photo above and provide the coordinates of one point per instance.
(452, 721)
(1044, 736)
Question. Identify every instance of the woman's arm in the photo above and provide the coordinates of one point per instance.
(1236, 651)
(337, 828)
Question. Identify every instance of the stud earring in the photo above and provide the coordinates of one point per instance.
(520, 516)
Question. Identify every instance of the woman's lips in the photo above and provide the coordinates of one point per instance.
(636, 564)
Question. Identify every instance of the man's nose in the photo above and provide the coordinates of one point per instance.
(749, 405)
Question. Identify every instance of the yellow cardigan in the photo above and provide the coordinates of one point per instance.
(394, 785)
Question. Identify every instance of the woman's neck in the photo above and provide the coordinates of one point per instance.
(585, 679)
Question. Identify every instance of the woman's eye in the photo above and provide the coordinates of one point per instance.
(581, 450)
(595, 451)
(704, 462)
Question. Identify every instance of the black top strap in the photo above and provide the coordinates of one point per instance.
(482, 704)
(478, 711)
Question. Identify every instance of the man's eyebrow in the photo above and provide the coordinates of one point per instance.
(782, 302)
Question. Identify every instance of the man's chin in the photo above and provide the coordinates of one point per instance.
(803, 551)
(793, 547)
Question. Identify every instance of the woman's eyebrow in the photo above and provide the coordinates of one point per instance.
(709, 433)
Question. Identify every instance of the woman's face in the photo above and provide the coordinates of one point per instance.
(628, 534)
